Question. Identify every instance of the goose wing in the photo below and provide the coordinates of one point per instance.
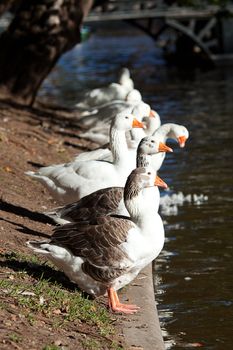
(99, 203)
(99, 244)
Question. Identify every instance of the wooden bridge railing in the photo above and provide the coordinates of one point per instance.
(206, 27)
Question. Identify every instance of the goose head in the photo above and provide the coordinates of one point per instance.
(125, 121)
(141, 109)
(173, 131)
(139, 181)
(151, 122)
(123, 74)
(134, 96)
(141, 178)
(125, 80)
(180, 133)
(149, 178)
(151, 145)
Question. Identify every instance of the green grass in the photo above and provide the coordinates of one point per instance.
(50, 298)
(91, 344)
(51, 347)
(15, 338)
(18, 256)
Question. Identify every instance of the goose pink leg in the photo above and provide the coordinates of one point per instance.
(115, 305)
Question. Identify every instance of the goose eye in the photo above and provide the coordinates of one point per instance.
(152, 141)
(149, 173)
(126, 117)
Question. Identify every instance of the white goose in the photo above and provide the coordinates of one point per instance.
(142, 111)
(99, 96)
(89, 117)
(151, 121)
(71, 181)
(125, 80)
(106, 253)
(108, 200)
(113, 91)
(169, 130)
(99, 123)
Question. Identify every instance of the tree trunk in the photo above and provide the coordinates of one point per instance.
(40, 32)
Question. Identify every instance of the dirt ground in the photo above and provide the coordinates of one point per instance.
(30, 138)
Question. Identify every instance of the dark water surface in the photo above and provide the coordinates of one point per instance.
(194, 272)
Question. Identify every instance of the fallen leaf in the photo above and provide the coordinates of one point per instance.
(13, 318)
(26, 293)
(3, 138)
(58, 342)
(57, 311)
(8, 169)
(195, 345)
(52, 141)
(41, 301)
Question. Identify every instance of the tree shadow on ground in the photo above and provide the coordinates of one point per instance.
(54, 119)
(24, 229)
(24, 212)
(40, 112)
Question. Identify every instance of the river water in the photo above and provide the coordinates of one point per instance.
(193, 274)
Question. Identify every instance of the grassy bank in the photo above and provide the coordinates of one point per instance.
(37, 297)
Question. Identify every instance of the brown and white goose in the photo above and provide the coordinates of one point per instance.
(108, 200)
(106, 253)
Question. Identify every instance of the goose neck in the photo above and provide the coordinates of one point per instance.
(132, 204)
(143, 160)
(142, 205)
(118, 145)
(164, 131)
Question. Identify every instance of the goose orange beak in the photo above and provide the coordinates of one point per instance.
(160, 183)
(164, 148)
(137, 124)
(152, 113)
(182, 140)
